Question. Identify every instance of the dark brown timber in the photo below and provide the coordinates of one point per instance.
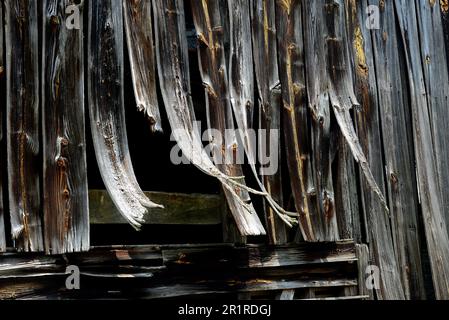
(211, 55)
(66, 209)
(107, 114)
(423, 106)
(22, 114)
(139, 36)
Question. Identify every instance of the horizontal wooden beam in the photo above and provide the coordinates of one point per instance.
(179, 209)
(184, 270)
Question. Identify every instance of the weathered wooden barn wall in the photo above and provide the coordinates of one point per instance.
(358, 88)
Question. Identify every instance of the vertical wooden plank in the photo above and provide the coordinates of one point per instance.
(211, 55)
(368, 130)
(2, 69)
(107, 113)
(312, 186)
(23, 123)
(434, 60)
(425, 146)
(139, 36)
(363, 260)
(66, 209)
(398, 149)
(263, 24)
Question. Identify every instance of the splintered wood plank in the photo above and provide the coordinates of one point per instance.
(210, 29)
(312, 189)
(330, 81)
(179, 209)
(398, 150)
(139, 36)
(423, 105)
(107, 113)
(316, 54)
(2, 69)
(66, 209)
(22, 114)
(263, 25)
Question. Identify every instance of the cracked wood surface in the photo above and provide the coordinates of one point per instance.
(139, 36)
(66, 208)
(107, 114)
(22, 112)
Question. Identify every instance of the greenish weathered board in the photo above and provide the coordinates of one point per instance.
(179, 209)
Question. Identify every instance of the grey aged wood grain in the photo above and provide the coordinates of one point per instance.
(66, 209)
(425, 146)
(263, 28)
(22, 112)
(368, 129)
(2, 69)
(398, 151)
(213, 69)
(139, 36)
(107, 114)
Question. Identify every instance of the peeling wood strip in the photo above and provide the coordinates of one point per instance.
(66, 208)
(107, 114)
(425, 149)
(263, 27)
(2, 71)
(241, 94)
(211, 55)
(173, 67)
(139, 36)
(398, 145)
(23, 123)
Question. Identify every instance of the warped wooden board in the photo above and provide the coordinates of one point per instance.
(213, 69)
(107, 114)
(312, 187)
(2, 69)
(139, 36)
(263, 27)
(22, 114)
(179, 209)
(66, 208)
(398, 149)
(425, 146)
